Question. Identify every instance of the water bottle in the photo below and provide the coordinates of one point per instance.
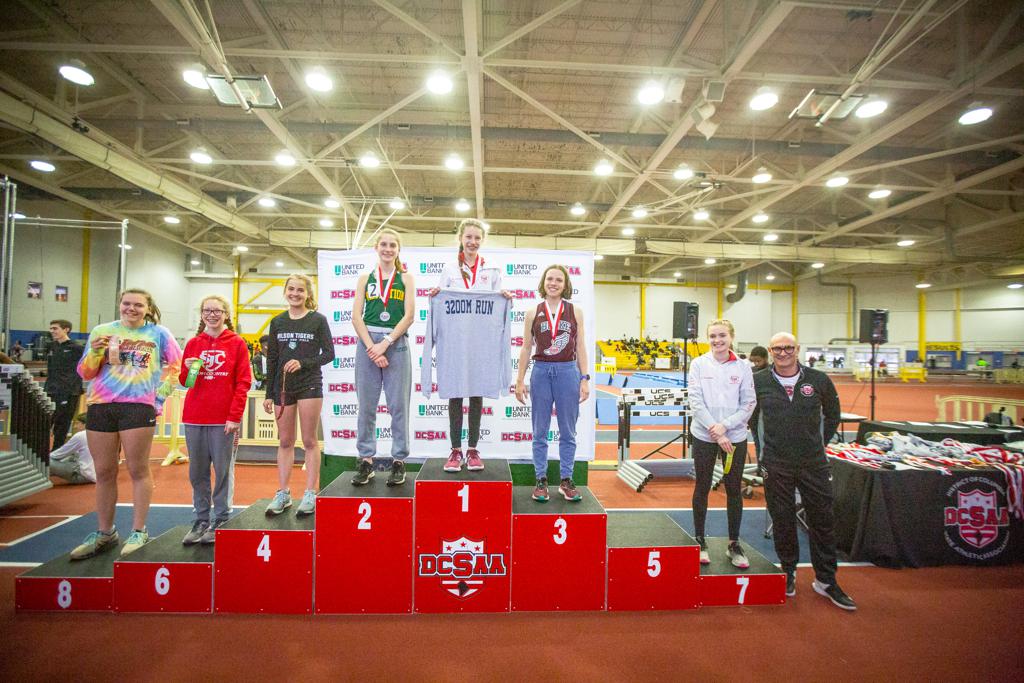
(193, 372)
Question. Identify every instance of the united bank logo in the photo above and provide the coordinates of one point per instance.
(423, 314)
(463, 566)
(518, 412)
(976, 525)
(349, 269)
(345, 409)
(520, 269)
(343, 316)
(517, 316)
(383, 433)
(433, 410)
(432, 268)
(345, 363)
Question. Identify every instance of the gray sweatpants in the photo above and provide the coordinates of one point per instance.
(396, 380)
(209, 445)
(69, 470)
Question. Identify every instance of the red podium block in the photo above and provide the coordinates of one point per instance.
(264, 564)
(463, 526)
(558, 552)
(61, 585)
(165, 576)
(722, 584)
(364, 533)
(652, 563)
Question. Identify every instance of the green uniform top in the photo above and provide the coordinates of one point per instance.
(374, 308)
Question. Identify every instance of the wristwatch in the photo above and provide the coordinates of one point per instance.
(585, 377)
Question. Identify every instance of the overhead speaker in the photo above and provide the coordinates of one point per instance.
(714, 91)
(684, 320)
(874, 326)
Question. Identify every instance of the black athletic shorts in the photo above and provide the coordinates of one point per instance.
(290, 398)
(116, 417)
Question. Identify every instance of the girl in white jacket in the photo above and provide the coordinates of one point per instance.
(721, 396)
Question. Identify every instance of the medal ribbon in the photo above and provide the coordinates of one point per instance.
(385, 291)
(558, 316)
(463, 268)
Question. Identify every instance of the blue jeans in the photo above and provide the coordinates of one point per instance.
(558, 385)
(396, 381)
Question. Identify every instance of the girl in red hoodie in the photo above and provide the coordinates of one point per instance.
(213, 413)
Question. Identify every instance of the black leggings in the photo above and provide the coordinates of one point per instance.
(704, 456)
(476, 407)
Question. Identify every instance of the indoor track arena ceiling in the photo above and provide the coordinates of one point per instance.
(868, 99)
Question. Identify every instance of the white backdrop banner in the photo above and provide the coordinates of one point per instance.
(506, 428)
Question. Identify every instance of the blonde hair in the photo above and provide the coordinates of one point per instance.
(724, 323)
(308, 282)
(227, 312)
(153, 315)
(398, 238)
(566, 290)
(469, 223)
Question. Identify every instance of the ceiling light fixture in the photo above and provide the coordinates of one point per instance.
(332, 203)
(201, 156)
(837, 181)
(769, 276)
(710, 261)
(818, 265)
(396, 204)
(284, 158)
(195, 76)
(326, 223)
(762, 175)
(905, 243)
(318, 80)
(684, 172)
(453, 162)
(75, 71)
(17, 215)
(701, 215)
(172, 220)
(760, 217)
(871, 108)
(439, 83)
(764, 98)
(462, 205)
(677, 274)
(771, 237)
(1014, 285)
(923, 285)
(126, 247)
(599, 257)
(879, 193)
(650, 93)
(604, 168)
(267, 202)
(279, 264)
(976, 113)
(369, 160)
(195, 262)
(242, 248)
(639, 212)
(628, 232)
(577, 209)
(44, 166)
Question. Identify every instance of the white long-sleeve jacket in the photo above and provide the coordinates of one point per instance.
(720, 393)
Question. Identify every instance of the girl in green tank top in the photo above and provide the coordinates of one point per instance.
(384, 297)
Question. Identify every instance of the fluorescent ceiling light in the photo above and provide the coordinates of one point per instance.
(396, 204)
(332, 203)
(837, 181)
(760, 217)
(201, 156)
(771, 237)
(126, 247)
(818, 265)
(762, 175)
(764, 98)
(976, 113)
(462, 205)
(628, 232)
(369, 160)
(44, 166)
(326, 223)
(17, 215)
(710, 261)
(76, 72)
(769, 276)
(1014, 285)
(267, 202)
(639, 212)
(905, 243)
(439, 83)
(701, 215)
(279, 264)
(196, 77)
(172, 220)
(684, 172)
(285, 159)
(453, 162)
(880, 193)
(577, 209)
(650, 93)
(242, 248)
(318, 80)
(871, 108)
(604, 168)
(677, 274)
(195, 262)
(923, 285)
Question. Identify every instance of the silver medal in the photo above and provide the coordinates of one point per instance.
(385, 316)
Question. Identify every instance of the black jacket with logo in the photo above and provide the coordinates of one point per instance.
(799, 428)
(62, 377)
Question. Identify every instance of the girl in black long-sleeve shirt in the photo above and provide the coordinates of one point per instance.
(300, 342)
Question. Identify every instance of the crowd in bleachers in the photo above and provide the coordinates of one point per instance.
(641, 353)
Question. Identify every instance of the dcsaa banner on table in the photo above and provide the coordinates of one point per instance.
(506, 427)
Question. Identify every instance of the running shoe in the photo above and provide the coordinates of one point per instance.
(195, 535)
(308, 504)
(397, 476)
(835, 594)
(568, 490)
(473, 461)
(454, 462)
(736, 556)
(790, 584)
(210, 535)
(95, 543)
(174, 459)
(540, 491)
(365, 473)
(705, 557)
(136, 540)
(282, 501)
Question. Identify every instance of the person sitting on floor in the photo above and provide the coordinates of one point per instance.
(72, 462)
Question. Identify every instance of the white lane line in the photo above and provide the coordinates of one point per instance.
(70, 518)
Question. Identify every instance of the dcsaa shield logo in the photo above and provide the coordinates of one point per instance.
(976, 523)
(462, 566)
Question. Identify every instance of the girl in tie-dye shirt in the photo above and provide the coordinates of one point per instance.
(131, 366)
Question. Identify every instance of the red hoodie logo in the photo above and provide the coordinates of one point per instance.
(213, 359)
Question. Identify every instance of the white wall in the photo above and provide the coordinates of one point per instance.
(752, 316)
(617, 311)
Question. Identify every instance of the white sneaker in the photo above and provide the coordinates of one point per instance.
(736, 556)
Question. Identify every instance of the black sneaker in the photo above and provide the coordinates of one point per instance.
(790, 584)
(397, 476)
(834, 593)
(540, 491)
(195, 535)
(365, 473)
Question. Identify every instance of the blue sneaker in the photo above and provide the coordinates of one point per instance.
(308, 504)
(136, 540)
(282, 501)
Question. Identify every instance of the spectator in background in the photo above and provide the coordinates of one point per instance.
(63, 385)
(259, 363)
(16, 351)
(758, 358)
(72, 462)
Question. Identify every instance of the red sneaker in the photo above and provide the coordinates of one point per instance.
(473, 461)
(454, 461)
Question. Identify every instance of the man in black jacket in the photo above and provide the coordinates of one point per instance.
(63, 384)
(797, 414)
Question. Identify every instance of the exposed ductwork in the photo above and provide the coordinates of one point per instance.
(741, 288)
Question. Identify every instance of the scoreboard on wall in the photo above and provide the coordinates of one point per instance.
(506, 426)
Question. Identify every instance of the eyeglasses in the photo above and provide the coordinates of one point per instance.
(213, 311)
(782, 349)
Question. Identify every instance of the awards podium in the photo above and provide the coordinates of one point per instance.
(440, 543)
